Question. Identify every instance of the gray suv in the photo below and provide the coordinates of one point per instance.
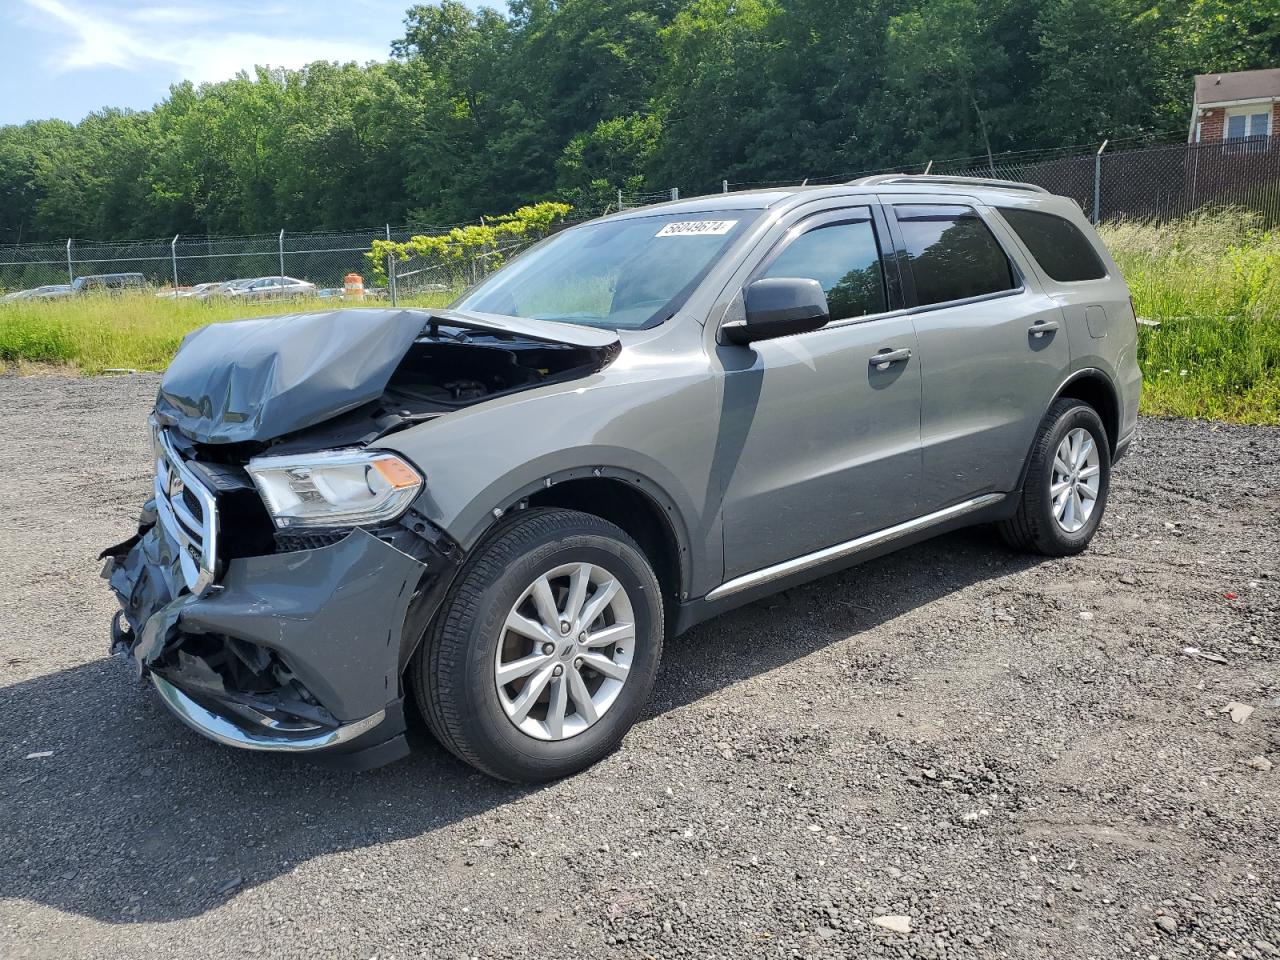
(502, 509)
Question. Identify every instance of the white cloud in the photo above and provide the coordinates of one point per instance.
(193, 42)
(221, 57)
(92, 41)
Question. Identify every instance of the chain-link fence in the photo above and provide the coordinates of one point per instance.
(184, 262)
(1125, 181)
(1117, 181)
(628, 200)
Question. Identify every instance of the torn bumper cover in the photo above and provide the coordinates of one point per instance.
(297, 652)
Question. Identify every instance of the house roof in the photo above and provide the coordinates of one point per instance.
(1244, 85)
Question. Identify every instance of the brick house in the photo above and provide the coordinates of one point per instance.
(1235, 106)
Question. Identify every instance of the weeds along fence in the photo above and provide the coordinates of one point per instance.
(446, 273)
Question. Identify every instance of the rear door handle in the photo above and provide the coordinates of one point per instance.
(885, 358)
(1041, 327)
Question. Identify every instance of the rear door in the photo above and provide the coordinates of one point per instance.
(823, 441)
(993, 349)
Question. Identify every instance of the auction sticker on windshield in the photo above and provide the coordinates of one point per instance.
(697, 228)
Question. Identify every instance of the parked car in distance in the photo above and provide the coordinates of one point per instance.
(52, 291)
(185, 293)
(199, 289)
(222, 288)
(108, 283)
(273, 288)
(503, 509)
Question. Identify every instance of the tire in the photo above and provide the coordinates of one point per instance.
(1036, 527)
(453, 674)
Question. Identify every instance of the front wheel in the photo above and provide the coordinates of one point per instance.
(546, 649)
(1065, 490)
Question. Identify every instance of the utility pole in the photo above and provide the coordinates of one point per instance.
(173, 251)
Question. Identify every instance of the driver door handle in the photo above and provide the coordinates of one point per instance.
(885, 358)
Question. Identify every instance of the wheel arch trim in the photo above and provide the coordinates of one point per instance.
(1094, 373)
(663, 505)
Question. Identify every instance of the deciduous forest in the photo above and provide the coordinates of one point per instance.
(478, 112)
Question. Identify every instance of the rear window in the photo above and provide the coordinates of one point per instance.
(953, 255)
(1062, 251)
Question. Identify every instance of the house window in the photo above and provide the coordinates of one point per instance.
(1251, 121)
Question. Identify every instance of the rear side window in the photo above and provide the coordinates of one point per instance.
(845, 259)
(1062, 251)
(953, 255)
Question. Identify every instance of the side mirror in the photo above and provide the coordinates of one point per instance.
(779, 307)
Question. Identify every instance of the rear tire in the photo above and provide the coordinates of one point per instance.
(1060, 509)
(471, 643)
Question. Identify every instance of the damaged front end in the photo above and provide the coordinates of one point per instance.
(297, 650)
(272, 607)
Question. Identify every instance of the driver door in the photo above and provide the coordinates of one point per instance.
(827, 438)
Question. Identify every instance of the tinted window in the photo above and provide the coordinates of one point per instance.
(952, 253)
(844, 258)
(1062, 251)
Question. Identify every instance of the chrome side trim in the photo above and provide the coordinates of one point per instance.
(865, 542)
(221, 730)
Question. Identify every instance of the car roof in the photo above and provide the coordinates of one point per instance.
(987, 190)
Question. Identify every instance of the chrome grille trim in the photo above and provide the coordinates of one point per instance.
(196, 537)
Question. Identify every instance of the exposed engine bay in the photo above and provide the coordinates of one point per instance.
(450, 367)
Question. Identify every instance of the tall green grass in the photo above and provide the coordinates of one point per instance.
(96, 332)
(1213, 282)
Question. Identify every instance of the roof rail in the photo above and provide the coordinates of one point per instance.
(884, 178)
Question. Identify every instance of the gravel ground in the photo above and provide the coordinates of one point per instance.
(1014, 754)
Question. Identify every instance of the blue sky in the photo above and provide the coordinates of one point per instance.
(65, 58)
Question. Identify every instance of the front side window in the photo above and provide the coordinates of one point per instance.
(619, 274)
(845, 259)
(952, 253)
(1062, 251)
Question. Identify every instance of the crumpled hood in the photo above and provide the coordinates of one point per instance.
(261, 379)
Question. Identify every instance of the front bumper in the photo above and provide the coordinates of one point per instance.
(320, 632)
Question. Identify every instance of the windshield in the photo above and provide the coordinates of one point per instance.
(620, 274)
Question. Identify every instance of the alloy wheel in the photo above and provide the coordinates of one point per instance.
(565, 651)
(1077, 476)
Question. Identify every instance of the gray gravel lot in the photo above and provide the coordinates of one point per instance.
(1013, 753)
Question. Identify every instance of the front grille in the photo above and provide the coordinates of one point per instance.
(192, 503)
(188, 513)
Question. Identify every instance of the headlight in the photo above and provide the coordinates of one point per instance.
(339, 488)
